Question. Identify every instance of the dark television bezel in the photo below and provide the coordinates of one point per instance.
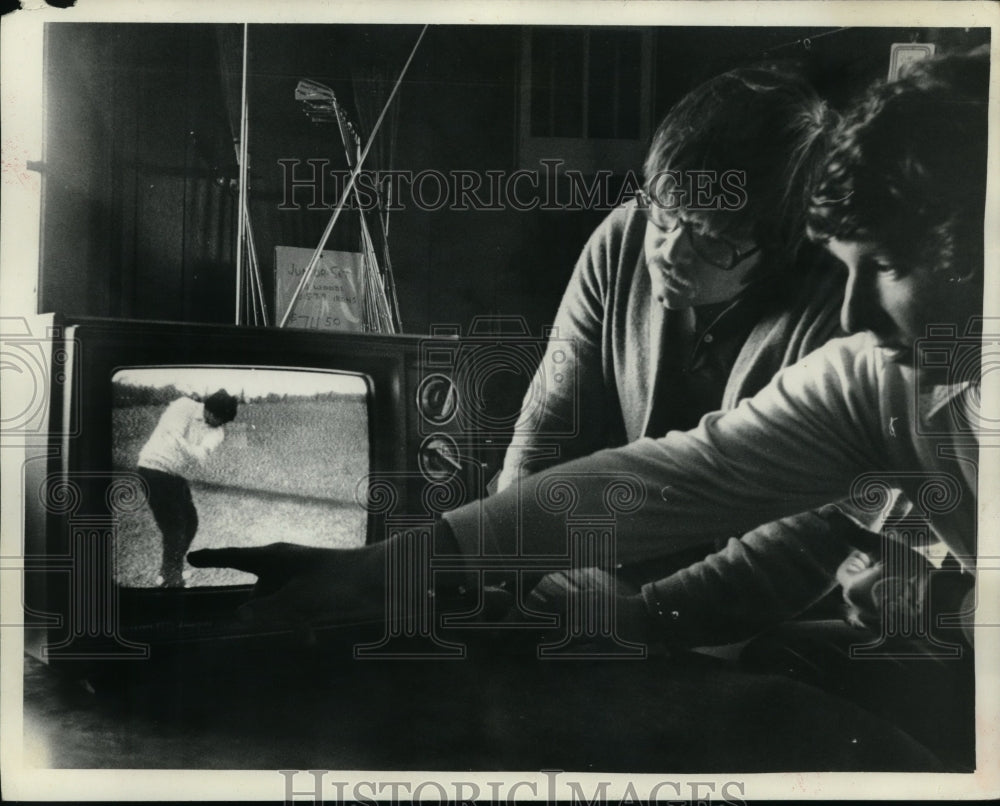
(86, 354)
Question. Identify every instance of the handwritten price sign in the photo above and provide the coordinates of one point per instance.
(333, 298)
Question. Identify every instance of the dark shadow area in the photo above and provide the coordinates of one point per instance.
(281, 705)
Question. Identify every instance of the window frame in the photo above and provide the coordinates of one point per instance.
(585, 154)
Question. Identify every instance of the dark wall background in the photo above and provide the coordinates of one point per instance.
(140, 167)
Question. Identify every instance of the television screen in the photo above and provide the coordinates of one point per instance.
(287, 467)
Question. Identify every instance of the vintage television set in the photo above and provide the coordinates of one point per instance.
(339, 439)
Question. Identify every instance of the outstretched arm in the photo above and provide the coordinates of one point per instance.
(798, 444)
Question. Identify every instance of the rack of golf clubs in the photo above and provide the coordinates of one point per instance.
(379, 302)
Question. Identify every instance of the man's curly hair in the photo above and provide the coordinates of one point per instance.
(908, 168)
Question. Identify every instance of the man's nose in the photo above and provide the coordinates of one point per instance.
(859, 304)
(675, 247)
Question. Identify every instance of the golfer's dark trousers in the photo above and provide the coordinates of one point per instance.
(177, 518)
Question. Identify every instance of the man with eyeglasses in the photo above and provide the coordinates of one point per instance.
(692, 296)
(686, 300)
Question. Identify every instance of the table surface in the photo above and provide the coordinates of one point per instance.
(286, 706)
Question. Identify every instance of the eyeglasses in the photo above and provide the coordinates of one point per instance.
(717, 252)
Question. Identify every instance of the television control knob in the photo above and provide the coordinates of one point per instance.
(438, 458)
(437, 399)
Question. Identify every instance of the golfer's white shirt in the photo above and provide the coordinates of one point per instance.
(181, 440)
